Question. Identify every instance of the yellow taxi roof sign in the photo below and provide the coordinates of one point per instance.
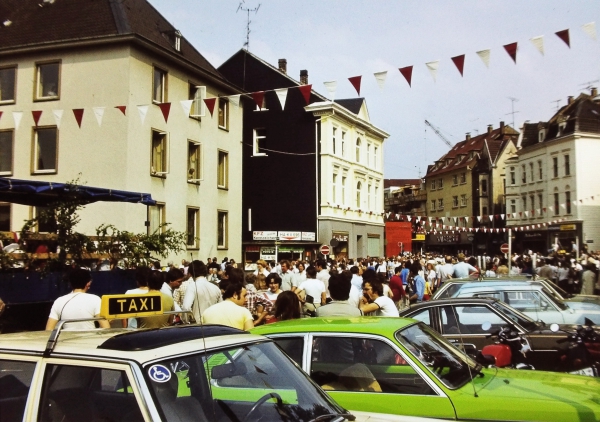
(131, 306)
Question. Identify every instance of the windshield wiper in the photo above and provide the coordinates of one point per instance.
(344, 416)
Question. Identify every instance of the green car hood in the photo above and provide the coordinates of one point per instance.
(511, 394)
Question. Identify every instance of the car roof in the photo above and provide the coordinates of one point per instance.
(354, 325)
(449, 301)
(126, 344)
(500, 285)
(501, 277)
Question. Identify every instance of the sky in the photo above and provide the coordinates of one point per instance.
(335, 40)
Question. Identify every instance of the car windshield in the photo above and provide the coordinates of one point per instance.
(552, 297)
(552, 289)
(444, 360)
(243, 383)
(521, 319)
(447, 290)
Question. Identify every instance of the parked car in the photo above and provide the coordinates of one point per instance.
(401, 366)
(460, 320)
(530, 299)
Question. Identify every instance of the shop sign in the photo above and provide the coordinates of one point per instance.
(295, 249)
(340, 237)
(553, 228)
(419, 237)
(253, 248)
(268, 254)
(310, 236)
(444, 238)
(533, 235)
(567, 227)
(264, 235)
(290, 235)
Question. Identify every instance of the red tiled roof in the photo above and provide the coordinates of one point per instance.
(388, 183)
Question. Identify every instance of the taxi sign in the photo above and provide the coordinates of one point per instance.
(131, 306)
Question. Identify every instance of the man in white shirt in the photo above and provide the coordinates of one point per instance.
(288, 281)
(323, 274)
(313, 288)
(231, 310)
(174, 278)
(201, 293)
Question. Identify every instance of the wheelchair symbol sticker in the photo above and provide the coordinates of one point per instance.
(159, 373)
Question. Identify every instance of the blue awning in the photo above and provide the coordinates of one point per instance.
(38, 193)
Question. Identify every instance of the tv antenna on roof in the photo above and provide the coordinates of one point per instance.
(513, 112)
(248, 21)
(557, 104)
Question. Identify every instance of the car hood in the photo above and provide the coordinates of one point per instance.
(384, 417)
(533, 395)
(584, 298)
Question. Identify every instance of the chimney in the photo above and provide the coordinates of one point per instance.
(594, 91)
(490, 128)
(283, 66)
(468, 137)
(304, 77)
(502, 128)
(570, 99)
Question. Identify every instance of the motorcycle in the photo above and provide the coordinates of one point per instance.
(506, 352)
(582, 355)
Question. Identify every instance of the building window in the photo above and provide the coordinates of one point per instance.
(259, 142)
(334, 188)
(358, 150)
(369, 198)
(376, 199)
(556, 204)
(513, 180)
(47, 81)
(463, 200)
(484, 187)
(4, 217)
(375, 161)
(197, 95)
(159, 85)
(6, 152)
(343, 190)
(513, 206)
(531, 176)
(463, 178)
(8, 77)
(555, 166)
(222, 230)
(484, 211)
(524, 198)
(343, 144)
(455, 180)
(193, 226)
(541, 202)
(368, 154)
(223, 113)
(358, 189)
(156, 217)
(540, 171)
(159, 154)
(532, 202)
(433, 185)
(433, 205)
(223, 170)
(333, 141)
(441, 184)
(46, 219)
(567, 166)
(568, 201)
(441, 204)
(455, 202)
(45, 150)
(523, 174)
(194, 162)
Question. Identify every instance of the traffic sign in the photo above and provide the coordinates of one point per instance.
(324, 249)
(504, 248)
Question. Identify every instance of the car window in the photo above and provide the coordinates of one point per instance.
(493, 295)
(356, 364)
(449, 291)
(100, 394)
(469, 319)
(293, 346)
(15, 380)
(422, 315)
(528, 301)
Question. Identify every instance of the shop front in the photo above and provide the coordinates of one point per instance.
(274, 246)
(447, 242)
(339, 244)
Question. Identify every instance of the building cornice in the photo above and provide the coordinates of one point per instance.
(331, 108)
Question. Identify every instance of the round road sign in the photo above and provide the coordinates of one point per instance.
(324, 250)
(504, 248)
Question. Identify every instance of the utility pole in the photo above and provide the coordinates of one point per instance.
(248, 21)
(513, 112)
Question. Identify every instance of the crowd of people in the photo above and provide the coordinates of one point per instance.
(222, 293)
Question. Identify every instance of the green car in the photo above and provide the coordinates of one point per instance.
(402, 367)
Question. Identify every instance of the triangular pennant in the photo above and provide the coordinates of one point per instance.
(442, 218)
(210, 104)
(282, 96)
(1, 112)
(78, 113)
(574, 202)
(143, 110)
(408, 217)
(165, 108)
(331, 87)
(511, 49)
(544, 209)
(502, 216)
(258, 97)
(17, 115)
(479, 218)
(590, 30)
(123, 109)
(380, 77)
(355, 81)
(235, 100)
(305, 90)
(526, 213)
(433, 68)
(537, 211)
(538, 42)
(407, 73)
(57, 117)
(484, 55)
(564, 35)
(99, 113)
(459, 62)
(551, 208)
(186, 105)
(466, 219)
(36, 116)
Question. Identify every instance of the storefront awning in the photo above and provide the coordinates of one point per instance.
(43, 194)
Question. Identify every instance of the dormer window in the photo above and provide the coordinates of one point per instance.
(541, 135)
(561, 128)
(174, 38)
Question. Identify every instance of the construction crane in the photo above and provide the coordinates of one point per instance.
(438, 133)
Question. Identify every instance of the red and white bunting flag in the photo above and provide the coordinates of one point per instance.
(123, 109)
(538, 42)
(484, 55)
(537, 211)
(433, 68)
(408, 217)
(564, 35)
(235, 99)
(466, 219)
(99, 113)
(165, 108)
(57, 117)
(143, 110)
(258, 97)
(331, 88)
(590, 30)
(305, 90)
(544, 209)
(479, 218)
(574, 202)
(36, 116)
(526, 213)
(17, 115)
(78, 113)
(186, 106)
(407, 73)
(511, 49)
(380, 78)
(502, 216)
(210, 104)
(476, 229)
(443, 219)
(282, 96)
(459, 62)
(355, 81)
(1, 112)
